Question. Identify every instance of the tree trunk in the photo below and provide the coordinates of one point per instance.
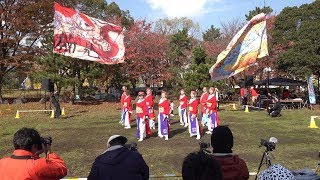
(59, 92)
(73, 95)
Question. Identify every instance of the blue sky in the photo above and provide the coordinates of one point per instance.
(205, 12)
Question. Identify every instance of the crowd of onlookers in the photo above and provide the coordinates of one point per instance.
(120, 161)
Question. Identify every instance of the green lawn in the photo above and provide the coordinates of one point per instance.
(82, 134)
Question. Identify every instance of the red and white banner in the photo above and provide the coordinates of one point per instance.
(80, 36)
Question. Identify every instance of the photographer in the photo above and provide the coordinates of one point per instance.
(119, 162)
(232, 166)
(25, 162)
(276, 109)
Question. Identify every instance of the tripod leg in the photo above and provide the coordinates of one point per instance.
(264, 153)
(268, 160)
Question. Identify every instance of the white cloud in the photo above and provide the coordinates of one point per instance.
(181, 8)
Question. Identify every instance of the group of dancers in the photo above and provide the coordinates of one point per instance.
(188, 113)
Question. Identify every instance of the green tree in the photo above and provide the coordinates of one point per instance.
(211, 34)
(197, 75)
(178, 56)
(297, 38)
(257, 10)
(199, 55)
(180, 44)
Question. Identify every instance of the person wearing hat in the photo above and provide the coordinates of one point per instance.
(163, 116)
(232, 166)
(194, 128)
(141, 115)
(119, 163)
(126, 110)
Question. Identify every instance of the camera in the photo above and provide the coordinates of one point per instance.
(45, 141)
(268, 144)
(204, 146)
(132, 146)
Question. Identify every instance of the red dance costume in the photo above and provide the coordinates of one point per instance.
(149, 103)
(194, 128)
(211, 106)
(163, 118)
(183, 102)
(141, 112)
(203, 100)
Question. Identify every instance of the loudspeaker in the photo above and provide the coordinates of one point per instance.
(248, 81)
(47, 85)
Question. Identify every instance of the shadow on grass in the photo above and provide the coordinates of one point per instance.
(154, 133)
(174, 122)
(79, 112)
(88, 103)
(68, 117)
(177, 131)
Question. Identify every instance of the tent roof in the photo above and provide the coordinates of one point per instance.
(278, 81)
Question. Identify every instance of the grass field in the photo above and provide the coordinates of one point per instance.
(82, 134)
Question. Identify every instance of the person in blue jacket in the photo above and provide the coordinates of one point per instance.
(119, 162)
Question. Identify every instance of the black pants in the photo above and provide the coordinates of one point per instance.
(244, 100)
(57, 112)
(273, 113)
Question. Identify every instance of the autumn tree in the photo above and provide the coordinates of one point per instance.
(23, 22)
(146, 55)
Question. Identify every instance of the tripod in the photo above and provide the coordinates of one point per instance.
(266, 156)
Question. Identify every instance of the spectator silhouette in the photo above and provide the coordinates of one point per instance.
(200, 166)
(233, 167)
(119, 163)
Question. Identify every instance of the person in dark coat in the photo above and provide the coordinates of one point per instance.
(55, 102)
(276, 109)
(232, 166)
(119, 163)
